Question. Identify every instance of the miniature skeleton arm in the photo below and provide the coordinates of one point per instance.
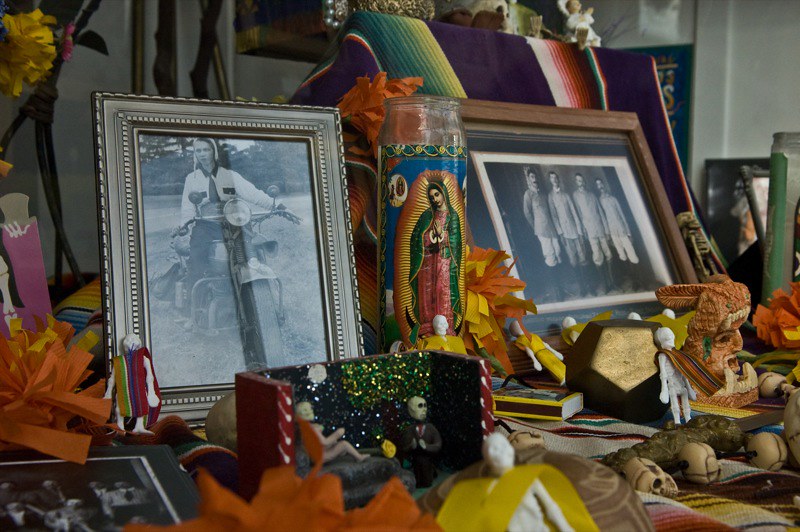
(540, 352)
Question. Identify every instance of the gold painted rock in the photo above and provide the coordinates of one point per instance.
(613, 364)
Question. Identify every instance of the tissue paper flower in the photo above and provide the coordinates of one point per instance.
(779, 325)
(287, 502)
(40, 400)
(28, 51)
(363, 105)
(490, 301)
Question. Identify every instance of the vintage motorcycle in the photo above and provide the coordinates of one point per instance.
(239, 288)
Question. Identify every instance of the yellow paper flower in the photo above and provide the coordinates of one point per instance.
(490, 301)
(28, 51)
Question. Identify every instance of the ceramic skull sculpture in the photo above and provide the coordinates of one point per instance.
(644, 475)
(721, 306)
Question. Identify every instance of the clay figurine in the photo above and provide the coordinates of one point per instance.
(420, 442)
(699, 463)
(663, 447)
(674, 384)
(767, 451)
(708, 356)
(442, 341)
(540, 353)
(578, 23)
(134, 379)
(333, 443)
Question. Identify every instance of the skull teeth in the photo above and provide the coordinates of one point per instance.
(740, 384)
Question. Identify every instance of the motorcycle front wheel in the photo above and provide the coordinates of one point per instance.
(265, 341)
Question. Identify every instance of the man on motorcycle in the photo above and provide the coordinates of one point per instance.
(215, 185)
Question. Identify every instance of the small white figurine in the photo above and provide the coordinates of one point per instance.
(536, 503)
(540, 352)
(674, 384)
(133, 378)
(440, 340)
(333, 444)
(578, 23)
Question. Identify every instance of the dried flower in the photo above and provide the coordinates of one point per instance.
(27, 53)
(490, 301)
(363, 104)
(286, 502)
(40, 399)
(67, 42)
(779, 325)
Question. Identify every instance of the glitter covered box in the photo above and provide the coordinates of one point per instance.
(365, 396)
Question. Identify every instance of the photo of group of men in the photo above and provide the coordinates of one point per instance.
(574, 231)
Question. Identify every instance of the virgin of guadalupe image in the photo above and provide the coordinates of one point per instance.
(429, 257)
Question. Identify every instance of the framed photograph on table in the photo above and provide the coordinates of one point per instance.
(141, 484)
(226, 239)
(574, 196)
(729, 213)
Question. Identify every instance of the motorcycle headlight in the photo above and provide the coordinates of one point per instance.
(237, 212)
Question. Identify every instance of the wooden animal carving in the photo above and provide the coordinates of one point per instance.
(721, 307)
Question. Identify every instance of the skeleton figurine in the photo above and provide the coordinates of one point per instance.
(333, 444)
(499, 455)
(674, 384)
(133, 378)
(539, 351)
(421, 441)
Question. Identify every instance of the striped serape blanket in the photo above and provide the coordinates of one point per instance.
(472, 63)
(744, 498)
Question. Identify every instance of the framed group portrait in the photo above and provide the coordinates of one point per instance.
(226, 239)
(575, 197)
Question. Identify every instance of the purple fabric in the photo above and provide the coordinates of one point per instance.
(500, 67)
(485, 61)
(632, 87)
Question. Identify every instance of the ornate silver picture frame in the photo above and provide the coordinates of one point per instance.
(226, 239)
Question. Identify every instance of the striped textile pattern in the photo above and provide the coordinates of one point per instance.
(466, 62)
(744, 498)
(77, 308)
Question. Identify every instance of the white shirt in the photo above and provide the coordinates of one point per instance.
(229, 185)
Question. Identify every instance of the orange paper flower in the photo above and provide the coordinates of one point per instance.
(779, 325)
(286, 502)
(39, 396)
(490, 301)
(363, 105)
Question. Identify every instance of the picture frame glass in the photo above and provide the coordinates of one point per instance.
(728, 211)
(226, 240)
(572, 209)
(195, 327)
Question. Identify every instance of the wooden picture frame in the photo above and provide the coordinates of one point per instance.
(507, 142)
(257, 271)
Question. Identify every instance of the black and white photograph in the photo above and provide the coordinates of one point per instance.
(578, 225)
(231, 255)
(227, 240)
(728, 211)
(104, 494)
